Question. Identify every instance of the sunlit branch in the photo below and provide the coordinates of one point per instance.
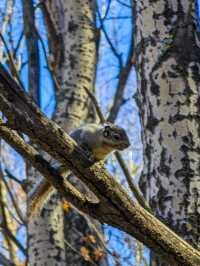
(6, 262)
(53, 175)
(8, 233)
(5, 218)
(13, 200)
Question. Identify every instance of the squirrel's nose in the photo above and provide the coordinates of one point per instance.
(127, 143)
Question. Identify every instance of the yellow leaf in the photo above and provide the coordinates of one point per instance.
(85, 253)
(90, 239)
(98, 253)
(66, 206)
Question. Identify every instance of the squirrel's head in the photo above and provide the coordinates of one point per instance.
(115, 136)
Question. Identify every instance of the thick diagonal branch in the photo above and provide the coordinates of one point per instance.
(66, 189)
(115, 207)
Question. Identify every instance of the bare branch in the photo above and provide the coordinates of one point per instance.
(15, 204)
(134, 188)
(96, 104)
(113, 49)
(12, 64)
(18, 44)
(5, 219)
(50, 68)
(12, 238)
(6, 262)
(32, 49)
(11, 176)
(124, 4)
(52, 175)
(115, 207)
(123, 77)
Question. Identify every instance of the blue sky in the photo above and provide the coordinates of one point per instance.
(118, 26)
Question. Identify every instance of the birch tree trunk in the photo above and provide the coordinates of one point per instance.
(167, 47)
(70, 25)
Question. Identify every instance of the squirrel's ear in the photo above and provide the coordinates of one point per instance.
(107, 128)
(106, 133)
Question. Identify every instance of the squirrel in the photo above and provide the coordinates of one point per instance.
(98, 141)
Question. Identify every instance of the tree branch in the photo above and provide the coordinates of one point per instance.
(123, 77)
(8, 233)
(6, 262)
(13, 200)
(67, 190)
(115, 207)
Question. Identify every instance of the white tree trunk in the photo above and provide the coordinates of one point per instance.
(70, 26)
(167, 47)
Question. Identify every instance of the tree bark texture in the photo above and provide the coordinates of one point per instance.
(70, 29)
(114, 207)
(167, 50)
(32, 50)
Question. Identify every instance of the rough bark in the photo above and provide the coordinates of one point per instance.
(71, 36)
(32, 50)
(115, 207)
(45, 234)
(168, 77)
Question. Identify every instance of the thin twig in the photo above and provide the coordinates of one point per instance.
(11, 176)
(96, 104)
(13, 68)
(6, 262)
(18, 44)
(132, 185)
(17, 209)
(123, 78)
(117, 55)
(13, 238)
(47, 61)
(124, 4)
(5, 218)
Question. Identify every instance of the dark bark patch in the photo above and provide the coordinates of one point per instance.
(163, 76)
(172, 74)
(152, 121)
(185, 172)
(72, 26)
(160, 139)
(188, 140)
(164, 168)
(155, 89)
(51, 238)
(174, 133)
(72, 60)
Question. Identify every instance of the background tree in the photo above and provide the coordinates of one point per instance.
(167, 42)
(58, 63)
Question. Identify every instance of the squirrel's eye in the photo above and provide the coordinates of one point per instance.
(116, 136)
(106, 133)
(107, 128)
